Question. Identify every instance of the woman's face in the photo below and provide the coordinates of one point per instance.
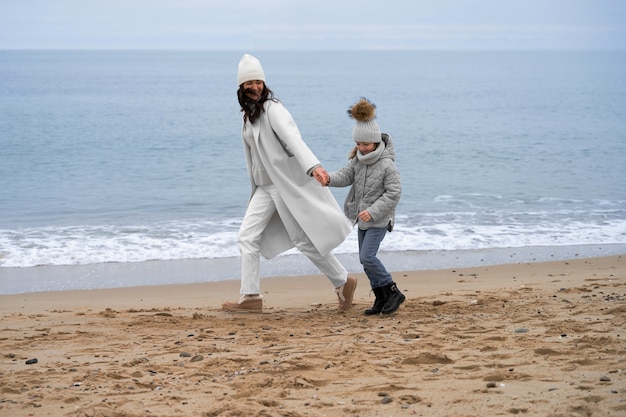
(253, 89)
(366, 147)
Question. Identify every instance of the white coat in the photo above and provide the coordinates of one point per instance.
(288, 161)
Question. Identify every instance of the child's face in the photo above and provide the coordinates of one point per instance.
(366, 147)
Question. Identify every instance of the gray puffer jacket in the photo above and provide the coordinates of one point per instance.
(375, 186)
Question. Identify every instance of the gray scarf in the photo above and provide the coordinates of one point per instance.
(372, 157)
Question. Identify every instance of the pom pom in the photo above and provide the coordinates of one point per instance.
(363, 111)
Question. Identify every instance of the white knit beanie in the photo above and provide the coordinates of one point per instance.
(249, 69)
(366, 129)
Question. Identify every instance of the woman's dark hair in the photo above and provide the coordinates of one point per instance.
(252, 109)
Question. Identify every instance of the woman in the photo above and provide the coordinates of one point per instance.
(287, 207)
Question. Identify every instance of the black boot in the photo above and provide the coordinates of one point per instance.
(394, 298)
(381, 299)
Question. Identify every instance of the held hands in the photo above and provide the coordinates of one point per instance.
(321, 175)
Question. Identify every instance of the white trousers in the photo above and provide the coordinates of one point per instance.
(263, 204)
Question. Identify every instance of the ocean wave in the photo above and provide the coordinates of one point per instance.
(174, 240)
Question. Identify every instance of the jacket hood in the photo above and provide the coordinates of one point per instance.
(390, 150)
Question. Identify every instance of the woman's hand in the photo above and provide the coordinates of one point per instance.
(321, 175)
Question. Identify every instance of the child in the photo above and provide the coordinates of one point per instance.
(372, 200)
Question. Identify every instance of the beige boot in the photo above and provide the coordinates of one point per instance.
(246, 303)
(345, 293)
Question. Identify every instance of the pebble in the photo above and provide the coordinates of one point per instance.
(31, 361)
(605, 378)
(386, 400)
(197, 358)
(185, 355)
(521, 330)
(491, 384)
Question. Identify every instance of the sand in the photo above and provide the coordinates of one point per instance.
(537, 339)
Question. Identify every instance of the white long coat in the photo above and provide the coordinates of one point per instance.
(288, 161)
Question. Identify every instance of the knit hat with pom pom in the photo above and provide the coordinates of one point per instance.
(366, 129)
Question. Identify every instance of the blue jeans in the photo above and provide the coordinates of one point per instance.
(369, 242)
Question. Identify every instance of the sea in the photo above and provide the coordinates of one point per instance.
(123, 167)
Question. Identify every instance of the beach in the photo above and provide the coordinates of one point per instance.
(536, 339)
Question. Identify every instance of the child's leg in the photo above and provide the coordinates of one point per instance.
(388, 296)
(369, 243)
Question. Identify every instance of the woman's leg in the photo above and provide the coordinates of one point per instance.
(260, 210)
(327, 264)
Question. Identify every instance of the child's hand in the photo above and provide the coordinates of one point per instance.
(365, 216)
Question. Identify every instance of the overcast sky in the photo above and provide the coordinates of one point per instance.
(321, 24)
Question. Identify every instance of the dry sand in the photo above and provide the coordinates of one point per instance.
(539, 339)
